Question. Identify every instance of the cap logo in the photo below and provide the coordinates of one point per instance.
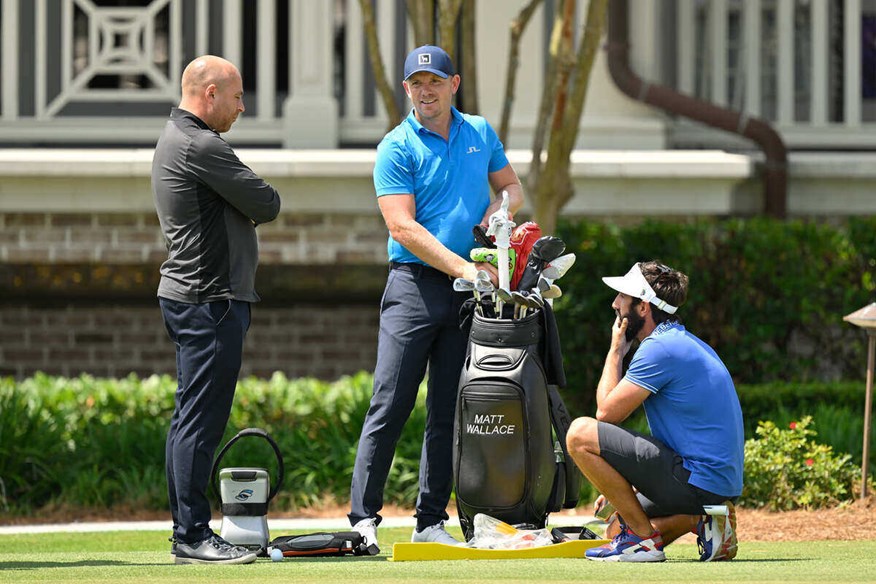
(424, 59)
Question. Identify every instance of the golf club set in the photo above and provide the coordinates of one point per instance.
(528, 265)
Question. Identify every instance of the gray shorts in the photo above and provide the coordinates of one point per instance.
(655, 470)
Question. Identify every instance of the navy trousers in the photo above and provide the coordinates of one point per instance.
(419, 326)
(209, 347)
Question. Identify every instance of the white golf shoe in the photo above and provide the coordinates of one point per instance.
(367, 528)
(434, 534)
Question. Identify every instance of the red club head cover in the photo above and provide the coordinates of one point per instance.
(523, 238)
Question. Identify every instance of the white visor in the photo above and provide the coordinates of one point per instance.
(634, 284)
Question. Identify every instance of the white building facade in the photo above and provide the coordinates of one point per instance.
(87, 86)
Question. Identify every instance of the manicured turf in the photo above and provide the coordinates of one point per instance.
(144, 557)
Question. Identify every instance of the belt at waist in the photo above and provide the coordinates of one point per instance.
(419, 270)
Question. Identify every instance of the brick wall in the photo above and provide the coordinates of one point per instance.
(135, 238)
(115, 340)
(77, 295)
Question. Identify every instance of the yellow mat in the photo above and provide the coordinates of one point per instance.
(412, 552)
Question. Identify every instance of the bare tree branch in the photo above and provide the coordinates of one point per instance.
(592, 35)
(564, 68)
(555, 189)
(547, 100)
(374, 57)
(518, 25)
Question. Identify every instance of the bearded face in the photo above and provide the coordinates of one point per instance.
(634, 322)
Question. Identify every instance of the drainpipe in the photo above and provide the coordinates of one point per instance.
(775, 170)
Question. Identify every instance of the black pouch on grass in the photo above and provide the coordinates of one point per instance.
(338, 543)
(563, 534)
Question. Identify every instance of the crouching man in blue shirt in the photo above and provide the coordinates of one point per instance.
(659, 485)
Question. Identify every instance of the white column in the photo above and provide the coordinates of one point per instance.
(265, 59)
(311, 112)
(852, 62)
(785, 62)
(820, 52)
(232, 17)
(10, 59)
(40, 59)
(718, 34)
(685, 46)
(202, 27)
(751, 34)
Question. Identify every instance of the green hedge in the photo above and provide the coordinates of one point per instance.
(87, 442)
(768, 295)
(99, 443)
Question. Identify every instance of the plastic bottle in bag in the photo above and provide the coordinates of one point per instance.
(491, 533)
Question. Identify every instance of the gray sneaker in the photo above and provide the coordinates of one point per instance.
(434, 534)
(213, 550)
(367, 528)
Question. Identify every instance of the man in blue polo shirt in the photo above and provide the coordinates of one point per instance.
(662, 484)
(433, 177)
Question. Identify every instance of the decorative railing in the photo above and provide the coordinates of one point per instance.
(106, 72)
(808, 66)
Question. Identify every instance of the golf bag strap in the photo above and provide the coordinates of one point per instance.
(243, 433)
(561, 421)
(245, 509)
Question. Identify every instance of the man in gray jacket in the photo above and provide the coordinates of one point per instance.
(208, 204)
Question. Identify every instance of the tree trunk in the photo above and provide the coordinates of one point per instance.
(592, 35)
(376, 60)
(448, 14)
(554, 188)
(518, 25)
(469, 59)
(422, 16)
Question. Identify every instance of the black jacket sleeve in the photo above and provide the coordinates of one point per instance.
(216, 164)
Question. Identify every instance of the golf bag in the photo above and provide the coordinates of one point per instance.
(509, 454)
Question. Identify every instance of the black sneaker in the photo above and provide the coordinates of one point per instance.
(172, 540)
(213, 550)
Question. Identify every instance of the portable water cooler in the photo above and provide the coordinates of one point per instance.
(245, 493)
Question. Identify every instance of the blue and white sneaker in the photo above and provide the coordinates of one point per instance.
(629, 547)
(716, 536)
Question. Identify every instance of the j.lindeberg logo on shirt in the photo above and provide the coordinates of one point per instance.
(473, 149)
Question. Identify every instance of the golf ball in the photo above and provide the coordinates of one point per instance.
(276, 555)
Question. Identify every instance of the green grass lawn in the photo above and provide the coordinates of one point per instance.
(145, 557)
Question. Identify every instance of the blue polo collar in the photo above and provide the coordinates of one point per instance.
(456, 116)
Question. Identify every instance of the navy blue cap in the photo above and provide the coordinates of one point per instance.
(428, 58)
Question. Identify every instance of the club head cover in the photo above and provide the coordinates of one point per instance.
(543, 251)
(523, 239)
(489, 255)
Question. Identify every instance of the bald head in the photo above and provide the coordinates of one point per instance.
(206, 70)
(212, 90)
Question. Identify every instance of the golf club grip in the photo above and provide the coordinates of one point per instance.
(243, 433)
(481, 237)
